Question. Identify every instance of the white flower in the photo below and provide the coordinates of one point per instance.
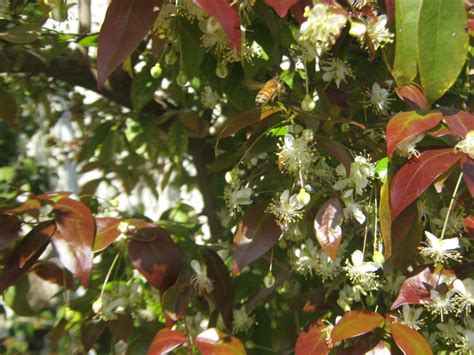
(235, 197)
(288, 209)
(361, 272)
(294, 154)
(378, 32)
(337, 70)
(379, 99)
(242, 320)
(464, 297)
(411, 315)
(466, 344)
(440, 250)
(352, 208)
(199, 280)
(308, 259)
(407, 148)
(449, 330)
(467, 145)
(441, 304)
(361, 171)
(321, 27)
(209, 98)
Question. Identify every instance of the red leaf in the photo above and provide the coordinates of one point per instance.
(417, 175)
(409, 340)
(416, 289)
(327, 226)
(30, 207)
(106, 232)
(227, 16)
(355, 323)
(51, 272)
(214, 342)
(10, 228)
(222, 291)
(467, 165)
(297, 11)
(312, 340)
(256, 233)
(405, 125)
(156, 257)
(125, 25)
(281, 7)
(469, 226)
(390, 10)
(28, 246)
(413, 96)
(74, 238)
(460, 122)
(165, 341)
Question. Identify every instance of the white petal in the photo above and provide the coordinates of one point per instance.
(357, 258)
(452, 243)
(285, 196)
(196, 266)
(210, 334)
(459, 286)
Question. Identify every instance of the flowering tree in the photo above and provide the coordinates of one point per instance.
(330, 140)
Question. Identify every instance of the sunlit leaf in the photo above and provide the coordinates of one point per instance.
(417, 175)
(106, 232)
(442, 45)
(409, 340)
(460, 122)
(214, 342)
(405, 125)
(413, 96)
(355, 323)
(312, 340)
(385, 218)
(327, 226)
(165, 341)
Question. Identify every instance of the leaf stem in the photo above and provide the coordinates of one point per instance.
(451, 203)
(109, 272)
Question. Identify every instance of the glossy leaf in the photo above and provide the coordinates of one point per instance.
(74, 238)
(467, 165)
(409, 340)
(406, 29)
(413, 96)
(417, 175)
(214, 342)
(236, 123)
(156, 257)
(442, 45)
(30, 207)
(222, 291)
(327, 226)
(355, 323)
(460, 122)
(312, 340)
(256, 233)
(51, 272)
(8, 109)
(125, 25)
(25, 254)
(281, 7)
(10, 228)
(227, 16)
(165, 341)
(405, 125)
(416, 289)
(106, 232)
(385, 218)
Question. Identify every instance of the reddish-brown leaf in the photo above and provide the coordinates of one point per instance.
(51, 272)
(222, 291)
(417, 175)
(227, 16)
(156, 257)
(74, 238)
(125, 25)
(91, 330)
(413, 96)
(165, 341)
(29, 250)
(312, 340)
(409, 340)
(244, 119)
(8, 109)
(467, 165)
(30, 207)
(327, 226)
(460, 122)
(390, 9)
(469, 226)
(405, 125)
(256, 233)
(9, 229)
(337, 150)
(281, 7)
(106, 232)
(355, 323)
(416, 289)
(121, 327)
(214, 342)
(53, 196)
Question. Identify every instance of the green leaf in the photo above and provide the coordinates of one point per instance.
(22, 34)
(442, 45)
(178, 140)
(406, 27)
(143, 89)
(192, 53)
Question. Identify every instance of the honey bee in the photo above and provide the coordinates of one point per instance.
(269, 92)
(359, 4)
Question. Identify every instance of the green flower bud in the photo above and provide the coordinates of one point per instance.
(182, 78)
(269, 280)
(308, 134)
(303, 197)
(378, 258)
(156, 71)
(222, 71)
(345, 127)
(171, 57)
(97, 305)
(308, 103)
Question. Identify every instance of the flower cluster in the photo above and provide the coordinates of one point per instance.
(287, 209)
(362, 273)
(235, 195)
(295, 155)
(467, 145)
(378, 98)
(201, 282)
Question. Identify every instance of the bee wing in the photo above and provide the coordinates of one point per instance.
(252, 84)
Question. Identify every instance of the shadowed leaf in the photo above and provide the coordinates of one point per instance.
(106, 232)
(8, 109)
(467, 165)
(413, 96)
(236, 123)
(51, 272)
(10, 228)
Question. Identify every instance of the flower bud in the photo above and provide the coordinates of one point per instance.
(171, 57)
(222, 71)
(378, 258)
(182, 78)
(269, 280)
(156, 71)
(97, 305)
(308, 134)
(308, 103)
(303, 197)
